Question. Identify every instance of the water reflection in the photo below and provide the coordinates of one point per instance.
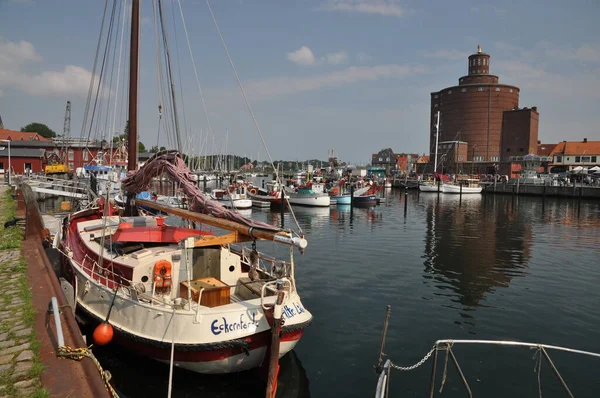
(470, 250)
(128, 370)
(308, 217)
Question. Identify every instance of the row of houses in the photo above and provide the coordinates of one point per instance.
(30, 152)
(452, 159)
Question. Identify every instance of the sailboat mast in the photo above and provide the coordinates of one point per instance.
(132, 136)
(437, 136)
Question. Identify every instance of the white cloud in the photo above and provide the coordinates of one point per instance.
(302, 56)
(583, 53)
(535, 78)
(447, 54)
(305, 56)
(362, 57)
(276, 86)
(16, 56)
(337, 58)
(380, 7)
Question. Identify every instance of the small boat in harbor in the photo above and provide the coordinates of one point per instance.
(310, 195)
(429, 186)
(463, 186)
(231, 199)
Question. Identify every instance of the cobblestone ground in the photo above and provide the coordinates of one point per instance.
(19, 367)
(16, 356)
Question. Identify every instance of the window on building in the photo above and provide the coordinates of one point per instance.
(71, 166)
(495, 158)
(1, 165)
(497, 88)
(436, 96)
(449, 91)
(507, 149)
(559, 159)
(463, 90)
(27, 167)
(510, 90)
(585, 159)
(594, 159)
(71, 155)
(478, 61)
(435, 106)
(461, 158)
(85, 155)
(521, 149)
(480, 89)
(577, 159)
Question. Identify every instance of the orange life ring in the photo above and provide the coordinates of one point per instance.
(162, 274)
(253, 191)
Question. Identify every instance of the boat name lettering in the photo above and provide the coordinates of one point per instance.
(289, 311)
(217, 326)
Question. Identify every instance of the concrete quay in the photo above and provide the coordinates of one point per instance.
(576, 192)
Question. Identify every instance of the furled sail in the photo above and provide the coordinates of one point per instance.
(171, 163)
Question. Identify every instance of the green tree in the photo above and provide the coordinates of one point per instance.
(141, 147)
(155, 149)
(39, 128)
(119, 138)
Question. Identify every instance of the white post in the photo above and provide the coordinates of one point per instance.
(9, 165)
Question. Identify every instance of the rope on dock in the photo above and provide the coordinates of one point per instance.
(78, 354)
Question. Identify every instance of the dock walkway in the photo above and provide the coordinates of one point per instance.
(17, 376)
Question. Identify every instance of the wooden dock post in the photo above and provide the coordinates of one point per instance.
(405, 200)
(274, 348)
(351, 200)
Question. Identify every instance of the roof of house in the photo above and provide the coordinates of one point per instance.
(22, 152)
(423, 159)
(577, 148)
(545, 149)
(12, 135)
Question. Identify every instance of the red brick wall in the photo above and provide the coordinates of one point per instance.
(519, 132)
(468, 109)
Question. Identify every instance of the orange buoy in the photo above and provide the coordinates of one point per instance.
(103, 333)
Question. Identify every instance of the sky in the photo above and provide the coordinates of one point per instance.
(354, 76)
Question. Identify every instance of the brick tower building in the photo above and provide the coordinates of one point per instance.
(481, 124)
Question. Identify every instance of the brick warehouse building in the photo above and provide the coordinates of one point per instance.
(481, 124)
(30, 152)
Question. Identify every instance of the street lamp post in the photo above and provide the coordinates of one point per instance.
(9, 168)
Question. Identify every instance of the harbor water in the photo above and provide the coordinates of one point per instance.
(476, 267)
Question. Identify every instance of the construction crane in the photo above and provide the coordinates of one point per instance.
(58, 164)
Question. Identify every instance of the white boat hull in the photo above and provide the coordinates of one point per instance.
(237, 203)
(429, 187)
(451, 188)
(310, 200)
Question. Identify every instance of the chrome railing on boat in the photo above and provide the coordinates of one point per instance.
(384, 368)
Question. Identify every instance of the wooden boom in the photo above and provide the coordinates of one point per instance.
(253, 232)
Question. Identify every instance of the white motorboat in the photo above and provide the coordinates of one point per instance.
(232, 200)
